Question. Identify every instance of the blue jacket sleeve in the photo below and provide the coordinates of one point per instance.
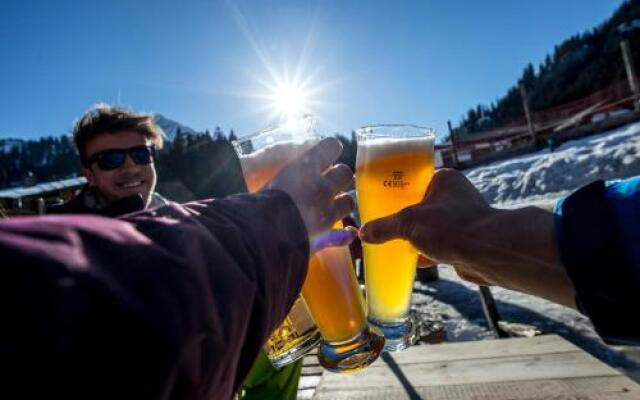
(598, 229)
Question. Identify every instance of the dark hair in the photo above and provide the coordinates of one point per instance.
(104, 119)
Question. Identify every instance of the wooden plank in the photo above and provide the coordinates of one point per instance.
(598, 388)
(305, 394)
(514, 368)
(310, 361)
(309, 382)
(545, 344)
(315, 370)
(311, 376)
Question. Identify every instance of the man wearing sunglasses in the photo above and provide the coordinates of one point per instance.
(117, 151)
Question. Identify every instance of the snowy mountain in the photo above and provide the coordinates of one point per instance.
(171, 127)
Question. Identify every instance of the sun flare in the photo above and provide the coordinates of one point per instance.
(290, 99)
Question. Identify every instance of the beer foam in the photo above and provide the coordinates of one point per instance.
(380, 148)
(275, 154)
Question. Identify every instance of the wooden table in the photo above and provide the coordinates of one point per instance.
(542, 367)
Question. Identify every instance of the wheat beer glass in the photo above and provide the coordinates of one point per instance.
(262, 156)
(330, 291)
(394, 165)
(333, 296)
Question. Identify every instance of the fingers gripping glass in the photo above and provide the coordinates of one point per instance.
(114, 158)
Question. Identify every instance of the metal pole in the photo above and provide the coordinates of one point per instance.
(631, 75)
(40, 206)
(527, 113)
(491, 312)
(453, 143)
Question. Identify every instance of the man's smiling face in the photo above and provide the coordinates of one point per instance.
(126, 180)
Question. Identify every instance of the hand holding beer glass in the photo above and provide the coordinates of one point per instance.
(330, 291)
(262, 156)
(394, 164)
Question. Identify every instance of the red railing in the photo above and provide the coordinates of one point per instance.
(560, 121)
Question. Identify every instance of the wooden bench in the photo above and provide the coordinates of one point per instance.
(542, 367)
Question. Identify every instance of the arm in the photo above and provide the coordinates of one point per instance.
(454, 225)
(176, 302)
(598, 231)
(586, 256)
(173, 302)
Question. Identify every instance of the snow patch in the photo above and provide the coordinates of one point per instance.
(536, 176)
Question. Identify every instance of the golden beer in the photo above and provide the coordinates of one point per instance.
(393, 168)
(262, 156)
(332, 293)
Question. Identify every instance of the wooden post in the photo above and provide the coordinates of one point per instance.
(631, 75)
(453, 144)
(527, 113)
(40, 206)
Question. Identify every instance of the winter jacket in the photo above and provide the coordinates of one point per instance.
(173, 302)
(86, 202)
(598, 230)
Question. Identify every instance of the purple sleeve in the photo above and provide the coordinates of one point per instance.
(171, 303)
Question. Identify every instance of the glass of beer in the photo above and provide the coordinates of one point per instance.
(394, 164)
(262, 156)
(333, 296)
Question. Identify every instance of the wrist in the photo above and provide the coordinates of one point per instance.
(476, 237)
(517, 249)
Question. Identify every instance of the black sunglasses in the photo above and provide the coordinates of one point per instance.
(115, 158)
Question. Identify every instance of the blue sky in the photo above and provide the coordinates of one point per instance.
(207, 63)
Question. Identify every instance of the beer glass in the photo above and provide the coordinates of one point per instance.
(333, 296)
(330, 291)
(394, 164)
(262, 156)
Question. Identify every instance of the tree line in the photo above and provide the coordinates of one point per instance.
(192, 166)
(579, 66)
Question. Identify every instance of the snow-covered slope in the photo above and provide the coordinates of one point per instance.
(545, 174)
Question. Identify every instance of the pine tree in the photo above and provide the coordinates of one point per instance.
(218, 135)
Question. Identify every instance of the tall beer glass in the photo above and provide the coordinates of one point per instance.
(394, 165)
(262, 156)
(332, 293)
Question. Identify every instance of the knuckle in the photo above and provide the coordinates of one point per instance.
(344, 168)
(407, 215)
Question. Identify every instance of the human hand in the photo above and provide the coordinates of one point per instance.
(437, 225)
(454, 225)
(334, 238)
(317, 186)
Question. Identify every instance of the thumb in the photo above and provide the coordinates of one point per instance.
(334, 238)
(382, 229)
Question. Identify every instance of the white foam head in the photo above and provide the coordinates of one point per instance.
(383, 147)
(275, 154)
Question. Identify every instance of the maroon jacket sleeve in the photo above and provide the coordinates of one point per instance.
(170, 303)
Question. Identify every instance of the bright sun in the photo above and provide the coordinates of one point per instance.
(289, 99)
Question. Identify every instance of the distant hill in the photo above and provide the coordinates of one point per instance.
(580, 65)
(171, 127)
